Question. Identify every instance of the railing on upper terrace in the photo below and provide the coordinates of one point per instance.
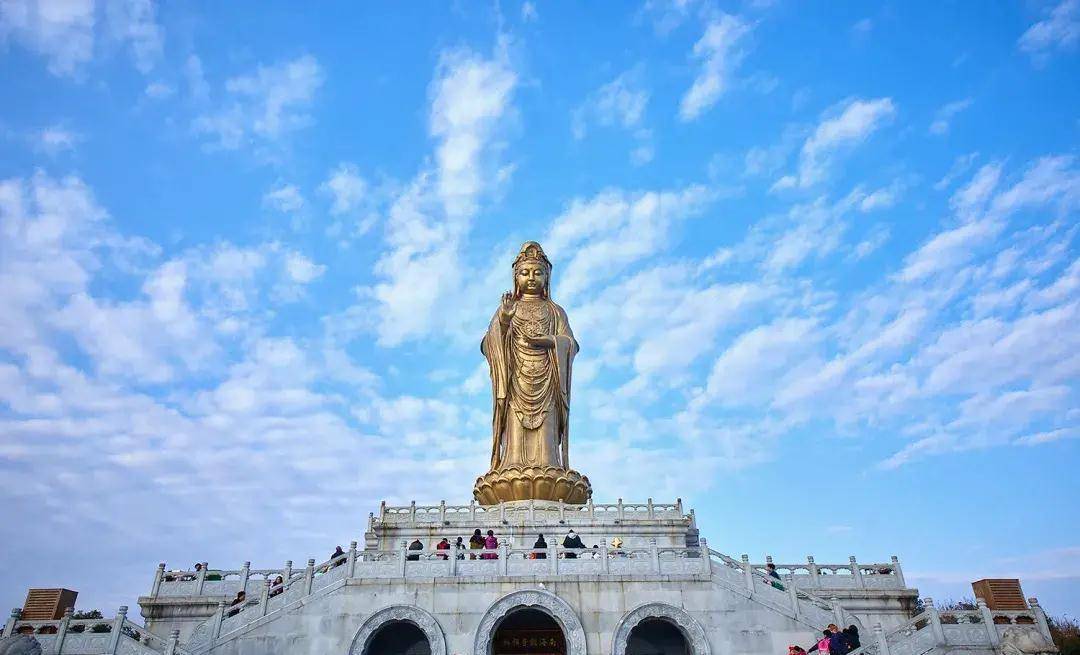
(853, 575)
(109, 636)
(966, 629)
(476, 514)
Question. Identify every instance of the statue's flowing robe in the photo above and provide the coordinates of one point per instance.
(530, 386)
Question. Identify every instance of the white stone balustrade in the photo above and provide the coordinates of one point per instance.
(105, 636)
(853, 575)
(482, 516)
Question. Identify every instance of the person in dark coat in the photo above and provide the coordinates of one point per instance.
(572, 541)
(852, 634)
(540, 544)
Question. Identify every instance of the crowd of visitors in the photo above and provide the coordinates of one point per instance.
(488, 545)
(833, 641)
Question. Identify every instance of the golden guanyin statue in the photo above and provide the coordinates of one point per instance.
(530, 351)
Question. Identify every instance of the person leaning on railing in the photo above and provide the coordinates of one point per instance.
(277, 587)
(476, 542)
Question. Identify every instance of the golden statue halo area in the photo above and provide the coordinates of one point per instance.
(530, 351)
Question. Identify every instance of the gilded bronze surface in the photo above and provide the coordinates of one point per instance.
(530, 351)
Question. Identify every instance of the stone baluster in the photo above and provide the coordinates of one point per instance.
(768, 560)
(174, 642)
(605, 564)
(454, 560)
(553, 557)
(592, 509)
(654, 553)
(472, 511)
(61, 632)
(897, 571)
(650, 508)
(502, 513)
(706, 558)
(693, 519)
(504, 558)
(620, 507)
(837, 611)
(1040, 618)
(882, 642)
(678, 506)
(793, 594)
(404, 555)
(412, 512)
(988, 622)
(815, 582)
(117, 629)
(748, 573)
(245, 571)
(855, 571)
(351, 562)
(532, 510)
(159, 575)
(442, 512)
(309, 576)
(286, 575)
(264, 599)
(9, 627)
(935, 620)
(382, 511)
(370, 521)
(562, 511)
(219, 618)
(200, 579)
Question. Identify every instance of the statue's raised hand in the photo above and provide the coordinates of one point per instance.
(507, 308)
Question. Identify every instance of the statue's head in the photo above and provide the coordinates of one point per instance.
(532, 272)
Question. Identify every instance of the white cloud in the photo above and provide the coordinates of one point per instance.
(285, 198)
(719, 53)
(619, 103)
(1058, 31)
(944, 116)
(134, 22)
(262, 106)
(159, 91)
(60, 30)
(959, 166)
(301, 269)
(528, 12)
(55, 139)
(850, 127)
(347, 188)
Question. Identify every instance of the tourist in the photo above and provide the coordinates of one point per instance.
(492, 544)
(237, 603)
(795, 650)
(278, 586)
(771, 568)
(476, 542)
(459, 546)
(822, 646)
(596, 551)
(337, 558)
(415, 545)
(540, 548)
(773, 578)
(851, 633)
(443, 545)
(572, 542)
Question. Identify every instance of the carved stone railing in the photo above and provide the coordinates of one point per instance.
(853, 575)
(104, 636)
(945, 630)
(478, 515)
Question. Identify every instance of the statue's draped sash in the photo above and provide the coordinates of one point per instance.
(497, 347)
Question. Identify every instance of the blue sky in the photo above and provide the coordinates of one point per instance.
(821, 259)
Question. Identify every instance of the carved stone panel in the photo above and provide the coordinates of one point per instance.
(538, 599)
(418, 617)
(688, 625)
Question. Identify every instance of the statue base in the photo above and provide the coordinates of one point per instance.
(532, 483)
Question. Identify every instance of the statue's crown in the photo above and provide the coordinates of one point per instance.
(532, 252)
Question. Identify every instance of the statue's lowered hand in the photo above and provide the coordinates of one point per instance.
(542, 341)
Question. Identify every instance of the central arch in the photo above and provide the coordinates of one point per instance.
(532, 599)
(401, 619)
(648, 614)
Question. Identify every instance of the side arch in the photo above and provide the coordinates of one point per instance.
(680, 618)
(414, 615)
(538, 599)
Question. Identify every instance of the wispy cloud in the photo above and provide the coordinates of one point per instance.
(718, 53)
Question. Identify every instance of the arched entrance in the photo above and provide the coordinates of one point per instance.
(659, 629)
(398, 638)
(527, 631)
(527, 604)
(399, 630)
(657, 637)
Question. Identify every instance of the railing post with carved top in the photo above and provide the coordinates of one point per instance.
(654, 553)
(200, 578)
(442, 511)
(245, 571)
(1040, 618)
(620, 507)
(678, 506)
(592, 508)
(159, 575)
(814, 581)
(174, 641)
(352, 559)
(502, 512)
(562, 511)
(553, 557)
(897, 571)
(504, 558)
(988, 622)
(693, 519)
(604, 557)
(793, 595)
(117, 629)
(404, 555)
(412, 512)
(882, 642)
(650, 506)
(9, 627)
(309, 576)
(61, 632)
(286, 577)
(703, 553)
(382, 511)
(264, 599)
(748, 573)
(837, 611)
(219, 617)
(472, 511)
(857, 572)
(935, 621)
